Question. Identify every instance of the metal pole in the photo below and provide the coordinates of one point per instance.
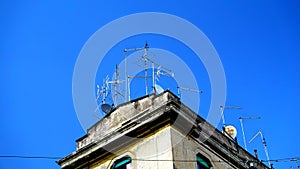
(153, 78)
(242, 126)
(128, 88)
(126, 76)
(265, 147)
(115, 85)
(127, 95)
(244, 137)
(222, 115)
(145, 69)
(263, 143)
(226, 107)
(255, 136)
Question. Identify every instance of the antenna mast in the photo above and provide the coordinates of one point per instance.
(127, 96)
(103, 92)
(264, 143)
(146, 65)
(222, 112)
(115, 84)
(242, 126)
(155, 75)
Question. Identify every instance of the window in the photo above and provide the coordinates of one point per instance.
(123, 163)
(203, 162)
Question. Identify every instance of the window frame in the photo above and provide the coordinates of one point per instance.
(203, 162)
(123, 161)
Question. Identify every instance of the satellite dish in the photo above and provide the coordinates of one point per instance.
(158, 89)
(231, 131)
(106, 108)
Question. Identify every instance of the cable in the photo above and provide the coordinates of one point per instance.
(137, 159)
(283, 160)
(186, 161)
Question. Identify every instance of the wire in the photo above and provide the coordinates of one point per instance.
(185, 161)
(283, 160)
(56, 158)
(137, 159)
(33, 157)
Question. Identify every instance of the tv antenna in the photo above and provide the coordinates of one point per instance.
(264, 143)
(180, 88)
(115, 83)
(103, 92)
(160, 70)
(145, 48)
(242, 126)
(222, 112)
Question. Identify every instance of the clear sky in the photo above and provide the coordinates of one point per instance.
(258, 43)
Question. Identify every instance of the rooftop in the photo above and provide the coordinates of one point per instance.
(138, 118)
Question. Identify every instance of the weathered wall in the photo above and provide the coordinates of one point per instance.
(185, 150)
(120, 116)
(154, 151)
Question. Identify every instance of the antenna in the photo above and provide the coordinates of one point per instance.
(179, 88)
(115, 83)
(158, 89)
(159, 71)
(222, 112)
(146, 66)
(155, 75)
(106, 108)
(264, 143)
(103, 92)
(241, 121)
(145, 48)
(231, 132)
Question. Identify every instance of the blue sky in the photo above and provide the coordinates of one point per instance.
(258, 43)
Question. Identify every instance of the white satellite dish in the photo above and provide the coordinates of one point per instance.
(158, 89)
(231, 131)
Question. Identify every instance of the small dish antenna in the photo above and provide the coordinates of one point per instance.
(106, 108)
(231, 131)
(158, 89)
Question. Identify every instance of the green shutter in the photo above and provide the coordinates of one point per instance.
(203, 162)
(123, 161)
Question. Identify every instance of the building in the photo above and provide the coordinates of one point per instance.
(157, 132)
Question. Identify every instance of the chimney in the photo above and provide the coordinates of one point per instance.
(255, 153)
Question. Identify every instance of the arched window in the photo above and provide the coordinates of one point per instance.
(122, 163)
(203, 162)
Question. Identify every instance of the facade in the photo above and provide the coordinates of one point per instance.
(157, 132)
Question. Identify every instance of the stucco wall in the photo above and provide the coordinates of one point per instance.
(154, 151)
(185, 150)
